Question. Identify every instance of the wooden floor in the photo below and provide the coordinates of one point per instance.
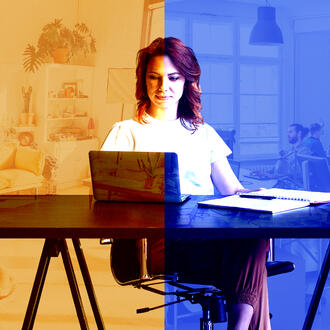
(56, 309)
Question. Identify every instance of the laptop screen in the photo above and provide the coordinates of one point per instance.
(135, 176)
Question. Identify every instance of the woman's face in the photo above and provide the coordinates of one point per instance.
(164, 84)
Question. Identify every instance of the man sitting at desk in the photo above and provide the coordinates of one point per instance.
(288, 166)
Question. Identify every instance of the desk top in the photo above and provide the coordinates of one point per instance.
(73, 217)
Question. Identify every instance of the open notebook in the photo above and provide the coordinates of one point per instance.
(269, 200)
(313, 197)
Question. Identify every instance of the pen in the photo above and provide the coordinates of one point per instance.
(256, 196)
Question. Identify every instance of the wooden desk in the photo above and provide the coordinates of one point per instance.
(56, 218)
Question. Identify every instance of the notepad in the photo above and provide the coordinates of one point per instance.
(313, 197)
(255, 204)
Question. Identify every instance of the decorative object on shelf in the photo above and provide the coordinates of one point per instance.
(81, 93)
(50, 174)
(91, 128)
(51, 93)
(61, 93)
(25, 139)
(27, 117)
(70, 89)
(266, 32)
(59, 42)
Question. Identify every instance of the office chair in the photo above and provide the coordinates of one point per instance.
(228, 137)
(211, 299)
(235, 166)
(315, 173)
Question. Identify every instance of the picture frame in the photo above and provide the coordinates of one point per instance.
(70, 89)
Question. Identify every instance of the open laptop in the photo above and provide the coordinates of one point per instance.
(133, 176)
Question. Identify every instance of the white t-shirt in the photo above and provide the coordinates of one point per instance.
(196, 151)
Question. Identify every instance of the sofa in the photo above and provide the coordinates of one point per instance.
(21, 169)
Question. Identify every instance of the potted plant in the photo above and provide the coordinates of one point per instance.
(59, 42)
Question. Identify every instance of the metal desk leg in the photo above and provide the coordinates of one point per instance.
(38, 285)
(318, 291)
(73, 285)
(52, 248)
(88, 283)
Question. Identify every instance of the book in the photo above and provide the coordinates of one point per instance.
(269, 205)
(313, 197)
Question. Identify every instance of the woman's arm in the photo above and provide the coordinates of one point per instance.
(224, 178)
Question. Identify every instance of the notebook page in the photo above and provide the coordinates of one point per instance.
(262, 205)
(299, 195)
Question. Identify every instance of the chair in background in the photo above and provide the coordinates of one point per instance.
(228, 137)
(135, 272)
(235, 166)
(305, 174)
(315, 173)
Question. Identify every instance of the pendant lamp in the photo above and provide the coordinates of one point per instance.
(266, 32)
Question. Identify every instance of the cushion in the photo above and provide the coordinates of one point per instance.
(30, 160)
(4, 183)
(7, 156)
(16, 177)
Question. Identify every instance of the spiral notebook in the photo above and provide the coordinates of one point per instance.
(312, 197)
(269, 200)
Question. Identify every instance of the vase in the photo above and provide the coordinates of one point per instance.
(60, 55)
(149, 182)
(23, 119)
(30, 119)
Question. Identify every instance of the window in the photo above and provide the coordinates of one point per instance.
(240, 83)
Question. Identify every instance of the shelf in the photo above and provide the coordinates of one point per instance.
(67, 98)
(24, 128)
(74, 141)
(68, 118)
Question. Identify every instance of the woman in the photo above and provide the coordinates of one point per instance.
(169, 119)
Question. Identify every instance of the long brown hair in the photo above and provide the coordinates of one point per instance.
(184, 59)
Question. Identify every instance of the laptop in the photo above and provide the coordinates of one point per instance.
(133, 176)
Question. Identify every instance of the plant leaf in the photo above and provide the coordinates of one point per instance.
(32, 59)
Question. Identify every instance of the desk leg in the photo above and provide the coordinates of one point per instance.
(88, 283)
(73, 285)
(52, 248)
(318, 291)
(37, 286)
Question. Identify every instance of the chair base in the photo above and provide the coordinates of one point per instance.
(210, 298)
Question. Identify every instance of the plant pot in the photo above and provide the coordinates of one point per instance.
(60, 55)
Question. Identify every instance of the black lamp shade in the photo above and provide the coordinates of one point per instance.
(266, 31)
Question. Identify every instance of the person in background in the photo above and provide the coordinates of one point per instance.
(288, 167)
(313, 142)
(169, 119)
